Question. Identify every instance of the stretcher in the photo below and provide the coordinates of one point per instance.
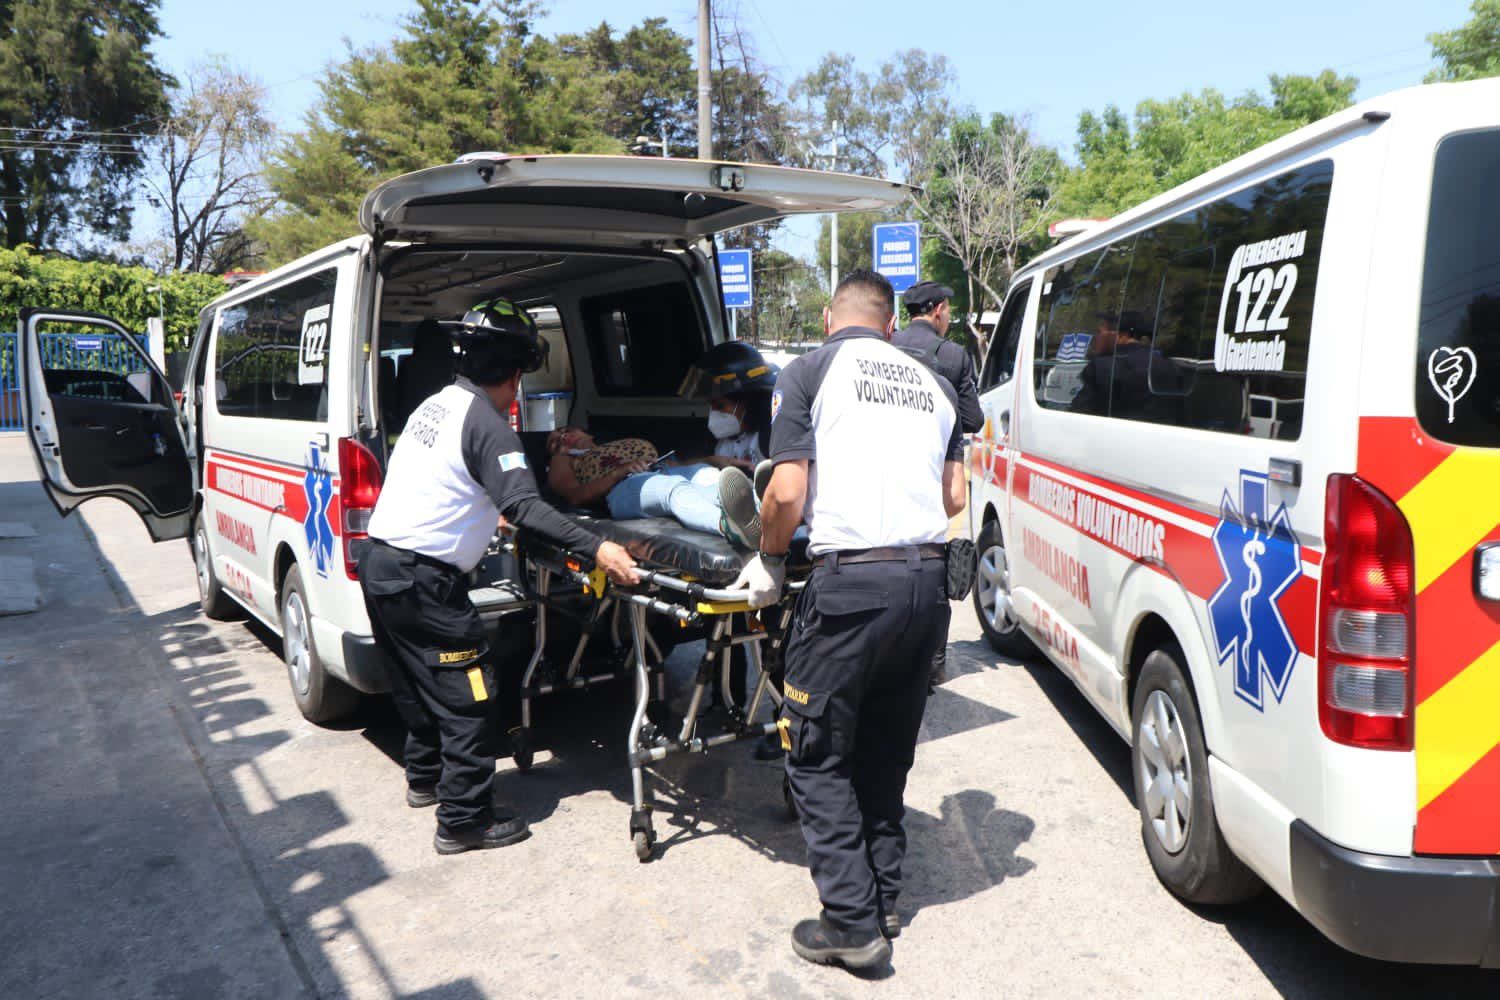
(682, 592)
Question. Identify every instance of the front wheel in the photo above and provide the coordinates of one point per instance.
(997, 618)
(1170, 763)
(320, 697)
(212, 598)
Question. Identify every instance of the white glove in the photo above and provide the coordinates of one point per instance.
(764, 582)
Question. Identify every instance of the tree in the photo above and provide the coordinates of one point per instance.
(206, 175)
(1176, 140)
(646, 78)
(1469, 52)
(988, 198)
(789, 299)
(464, 75)
(79, 89)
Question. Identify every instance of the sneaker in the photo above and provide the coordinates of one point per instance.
(501, 833)
(741, 520)
(421, 796)
(763, 478)
(890, 926)
(820, 943)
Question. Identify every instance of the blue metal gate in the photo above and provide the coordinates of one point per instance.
(77, 352)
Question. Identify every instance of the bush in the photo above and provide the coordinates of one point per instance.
(28, 278)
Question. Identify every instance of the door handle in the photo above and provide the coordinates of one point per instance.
(1005, 422)
(1286, 471)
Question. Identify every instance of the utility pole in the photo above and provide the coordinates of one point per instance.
(705, 93)
(833, 242)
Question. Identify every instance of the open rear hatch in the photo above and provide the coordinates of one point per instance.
(604, 201)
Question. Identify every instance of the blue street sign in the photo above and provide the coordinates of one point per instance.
(88, 343)
(734, 278)
(898, 253)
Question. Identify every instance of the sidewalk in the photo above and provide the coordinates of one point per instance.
(119, 875)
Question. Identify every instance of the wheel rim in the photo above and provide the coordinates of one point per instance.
(993, 589)
(202, 566)
(298, 645)
(1166, 772)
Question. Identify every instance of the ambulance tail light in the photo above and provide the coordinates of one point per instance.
(360, 479)
(515, 415)
(1368, 611)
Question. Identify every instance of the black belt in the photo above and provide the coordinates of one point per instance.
(886, 553)
(420, 557)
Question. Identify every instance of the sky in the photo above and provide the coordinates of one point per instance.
(1047, 60)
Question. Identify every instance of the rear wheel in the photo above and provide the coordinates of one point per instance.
(997, 617)
(1170, 763)
(320, 697)
(212, 598)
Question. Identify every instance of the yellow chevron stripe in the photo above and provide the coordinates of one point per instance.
(1456, 726)
(1452, 510)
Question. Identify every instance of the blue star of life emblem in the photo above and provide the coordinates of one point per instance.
(318, 486)
(1261, 558)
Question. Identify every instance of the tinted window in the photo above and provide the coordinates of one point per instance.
(642, 341)
(1201, 321)
(1458, 341)
(1000, 364)
(270, 358)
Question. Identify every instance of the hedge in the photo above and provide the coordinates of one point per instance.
(28, 278)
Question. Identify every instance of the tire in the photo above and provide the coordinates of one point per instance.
(212, 598)
(992, 587)
(320, 697)
(1169, 761)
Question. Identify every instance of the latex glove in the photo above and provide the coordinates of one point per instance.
(763, 581)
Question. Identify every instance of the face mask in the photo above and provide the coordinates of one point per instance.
(723, 425)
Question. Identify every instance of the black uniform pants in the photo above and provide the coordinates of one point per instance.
(443, 683)
(857, 663)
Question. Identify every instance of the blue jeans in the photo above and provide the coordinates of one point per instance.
(690, 493)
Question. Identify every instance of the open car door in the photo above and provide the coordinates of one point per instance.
(618, 201)
(101, 419)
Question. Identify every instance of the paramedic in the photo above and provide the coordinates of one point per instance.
(931, 312)
(455, 470)
(868, 440)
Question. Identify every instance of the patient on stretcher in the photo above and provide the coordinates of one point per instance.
(629, 478)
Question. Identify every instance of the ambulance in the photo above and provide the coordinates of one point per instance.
(1239, 479)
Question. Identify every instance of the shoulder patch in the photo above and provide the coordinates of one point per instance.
(512, 460)
(775, 404)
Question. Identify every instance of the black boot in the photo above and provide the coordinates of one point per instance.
(821, 943)
(502, 832)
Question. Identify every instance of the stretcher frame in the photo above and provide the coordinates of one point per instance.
(652, 736)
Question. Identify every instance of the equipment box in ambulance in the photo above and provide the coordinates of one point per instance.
(1238, 479)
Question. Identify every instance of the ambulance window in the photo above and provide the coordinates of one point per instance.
(1080, 298)
(1000, 364)
(642, 341)
(1458, 340)
(271, 353)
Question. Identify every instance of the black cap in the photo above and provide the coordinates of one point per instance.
(925, 294)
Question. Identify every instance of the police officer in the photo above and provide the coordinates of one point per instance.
(931, 311)
(868, 440)
(456, 468)
(928, 303)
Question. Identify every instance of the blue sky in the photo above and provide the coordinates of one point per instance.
(1046, 59)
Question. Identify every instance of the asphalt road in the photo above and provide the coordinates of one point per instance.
(174, 828)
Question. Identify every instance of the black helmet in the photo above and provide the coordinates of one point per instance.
(495, 337)
(730, 367)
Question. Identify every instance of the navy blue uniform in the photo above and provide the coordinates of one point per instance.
(877, 428)
(922, 341)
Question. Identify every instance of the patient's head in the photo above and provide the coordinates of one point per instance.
(568, 438)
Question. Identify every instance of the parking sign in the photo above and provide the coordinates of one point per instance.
(897, 253)
(734, 278)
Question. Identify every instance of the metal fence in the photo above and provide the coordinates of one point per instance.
(108, 352)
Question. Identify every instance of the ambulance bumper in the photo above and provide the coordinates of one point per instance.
(365, 663)
(1401, 909)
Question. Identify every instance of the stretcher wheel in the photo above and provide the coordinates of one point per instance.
(645, 844)
(521, 749)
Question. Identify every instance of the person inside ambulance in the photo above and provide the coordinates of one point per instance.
(738, 381)
(1125, 375)
(455, 470)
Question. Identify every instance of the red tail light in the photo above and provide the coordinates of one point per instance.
(515, 415)
(360, 479)
(1368, 619)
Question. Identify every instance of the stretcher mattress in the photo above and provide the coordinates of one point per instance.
(664, 544)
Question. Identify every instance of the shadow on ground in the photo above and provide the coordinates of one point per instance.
(1295, 957)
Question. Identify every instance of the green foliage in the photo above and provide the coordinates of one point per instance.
(1469, 52)
(69, 70)
(463, 76)
(1124, 163)
(28, 278)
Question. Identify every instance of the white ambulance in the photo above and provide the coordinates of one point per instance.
(299, 381)
(1240, 480)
